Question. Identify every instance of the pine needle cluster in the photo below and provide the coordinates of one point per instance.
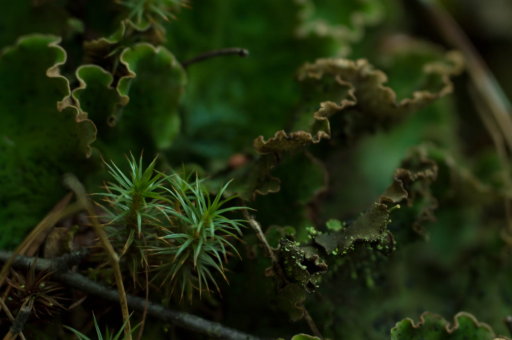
(36, 291)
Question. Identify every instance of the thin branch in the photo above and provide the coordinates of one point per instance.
(241, 52)
(154, 310)
(277, 267)
(74, 184)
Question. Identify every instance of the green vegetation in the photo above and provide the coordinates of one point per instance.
(346, 176)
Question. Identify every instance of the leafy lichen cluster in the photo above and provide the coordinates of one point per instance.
(377, 179)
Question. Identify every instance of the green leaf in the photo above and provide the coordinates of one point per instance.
(246, 96)
(97, 99)
(148, 96)
(353, 94)
(433, 327)
(355, 91)
(42, 135)
(155, 84)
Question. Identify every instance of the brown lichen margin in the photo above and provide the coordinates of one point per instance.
(449, 329)
(54, 72)
(123, 100)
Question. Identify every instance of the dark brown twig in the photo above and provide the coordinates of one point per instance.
(157, 311)
(241, 52)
